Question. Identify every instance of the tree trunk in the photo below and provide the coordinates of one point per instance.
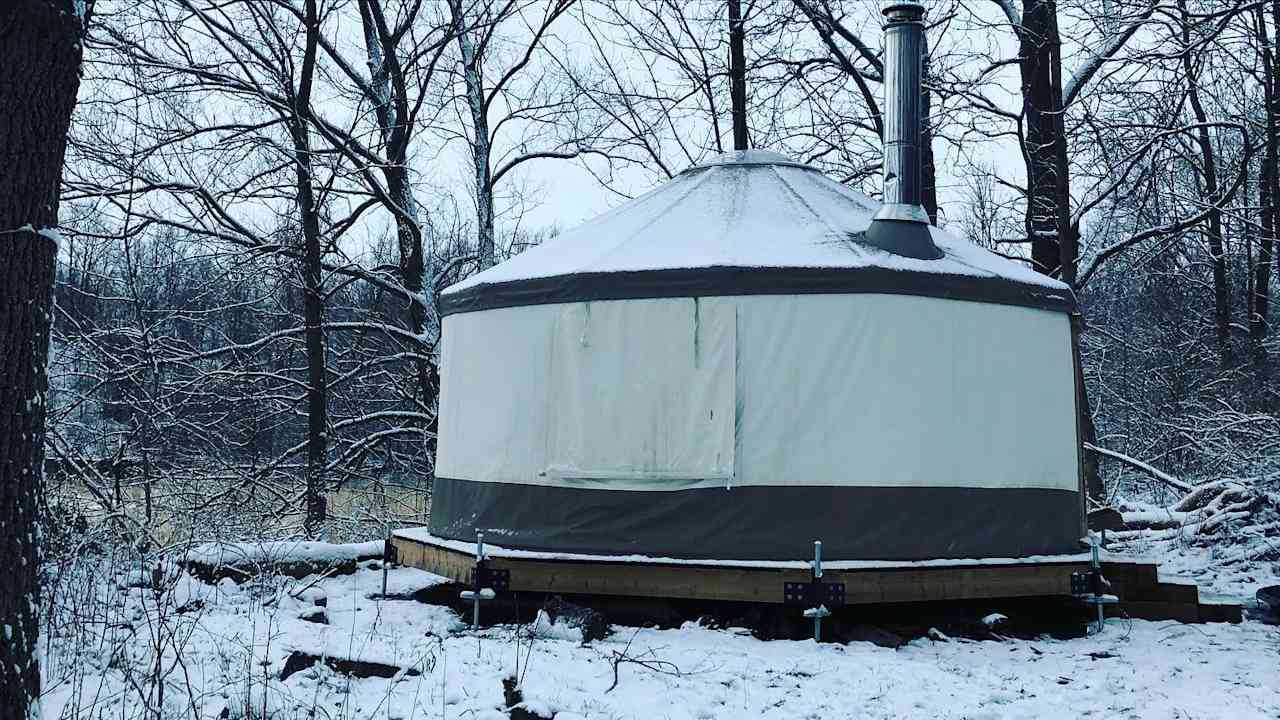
(928, 170)
(738, 76)
(1209, 174)
(1048, 221)
(391, 101)
(1273, 126)
(1268, 189)
(1093, 487)
(480, 136)
(40, 55)
(313, 288)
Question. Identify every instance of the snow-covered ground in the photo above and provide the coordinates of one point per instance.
(1209, 566)
(222, 650)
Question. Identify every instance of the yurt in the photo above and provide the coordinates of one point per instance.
(753, 356)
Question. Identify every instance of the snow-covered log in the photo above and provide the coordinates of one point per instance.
(1203, 510)
(213, 561)
(300, 660)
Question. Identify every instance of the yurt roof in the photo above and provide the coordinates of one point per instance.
(745, 223)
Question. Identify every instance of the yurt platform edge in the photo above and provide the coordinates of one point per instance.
(1136, 582)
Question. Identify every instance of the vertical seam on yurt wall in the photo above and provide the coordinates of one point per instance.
(549, 415)
(565, 314)
(737, 396)
(697, 327)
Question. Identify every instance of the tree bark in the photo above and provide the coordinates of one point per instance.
(313, 285)
(40, 51)
(738, 76)
(1209, 174)
(1273, 120)
(928, 169)
(480, 145)
(1268, 189)
(1048, 220)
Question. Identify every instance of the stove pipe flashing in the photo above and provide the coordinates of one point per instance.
(902, 226)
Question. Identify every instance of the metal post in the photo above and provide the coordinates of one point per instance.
(475, 603)
(817, 575)
(484, 580)
(1097, 568)
(387, 550)
(815, 594)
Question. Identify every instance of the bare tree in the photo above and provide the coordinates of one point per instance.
(389, 45)
(40, 48)
(312, 270)
(276, 179)
(1268, 176)
(1209, 176)
(489, 86)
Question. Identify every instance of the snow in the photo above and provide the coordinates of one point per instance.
(1211, 567)
(282, 551)
(234, 647)
(544, 627)
(47, 233)
(51, 234)
(423, 535)
(747, 209)
(407, 581)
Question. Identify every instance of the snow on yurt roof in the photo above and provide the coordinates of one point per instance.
(746, 222)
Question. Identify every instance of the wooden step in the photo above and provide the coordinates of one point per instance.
(1155, 610)
(1220, 611)
(1130, 579)
(1175, 592)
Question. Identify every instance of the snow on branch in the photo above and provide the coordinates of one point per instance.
(1156, 473)
(1010, 12)
(1094, 62)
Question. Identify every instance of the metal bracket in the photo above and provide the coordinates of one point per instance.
(485, 583)
(1086, 583)
(482, 576)
(812, 594)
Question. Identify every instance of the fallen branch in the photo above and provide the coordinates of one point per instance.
(1160, 475)
(663, 667)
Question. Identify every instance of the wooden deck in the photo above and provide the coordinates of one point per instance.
(1136, 583)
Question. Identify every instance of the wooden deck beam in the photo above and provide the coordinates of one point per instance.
(1136, 583)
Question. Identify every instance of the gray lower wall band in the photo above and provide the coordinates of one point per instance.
(763, 523)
